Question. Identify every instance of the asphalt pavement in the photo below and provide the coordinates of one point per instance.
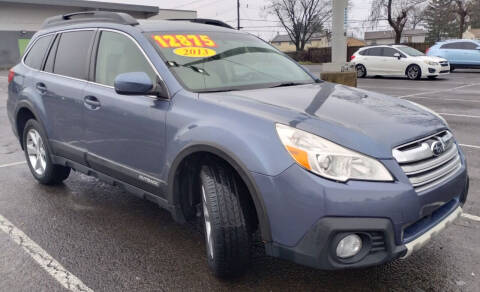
(109, 240)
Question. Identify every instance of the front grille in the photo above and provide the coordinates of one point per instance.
(425, 169)
(444, 63)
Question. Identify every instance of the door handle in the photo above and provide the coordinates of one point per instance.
(91, 102)
(41, 87)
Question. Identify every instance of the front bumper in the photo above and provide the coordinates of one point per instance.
(317, 248)
(418, 243)
(436, 70)
(309, 215)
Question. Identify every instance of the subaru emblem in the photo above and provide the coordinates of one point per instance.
(437, 147)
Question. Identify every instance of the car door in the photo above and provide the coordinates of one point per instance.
(393, 65)
(451, 52)
(125, 135)
(61, 84)
(472, 54)
(374, 61)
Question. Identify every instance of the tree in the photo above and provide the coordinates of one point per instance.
(302, 18)
(396, 12)
(475, 16)
(417, 18)
(440, 20)
(463, 9)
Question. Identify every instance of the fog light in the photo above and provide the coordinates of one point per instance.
(349, 246)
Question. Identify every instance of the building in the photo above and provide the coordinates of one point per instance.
(472, 34)
(388, 37)
(285, 44)
(20, 19)
(353, 42)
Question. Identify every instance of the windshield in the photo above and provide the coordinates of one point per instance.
(222, 61)
(411, 51)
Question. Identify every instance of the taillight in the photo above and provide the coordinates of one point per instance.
(426, 52)
(352, 57)
(10, 75)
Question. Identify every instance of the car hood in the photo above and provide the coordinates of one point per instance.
(364, 121)
(430, 58)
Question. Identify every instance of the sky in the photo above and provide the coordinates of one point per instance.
(253, 15)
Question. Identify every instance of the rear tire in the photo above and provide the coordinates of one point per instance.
(361, 71)
(226, 234)
(414, 72)
(37, 153)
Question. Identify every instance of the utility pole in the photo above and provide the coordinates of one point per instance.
(339, 38)
(238, 14)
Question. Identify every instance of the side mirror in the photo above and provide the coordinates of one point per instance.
(397, 55)
(138, 83)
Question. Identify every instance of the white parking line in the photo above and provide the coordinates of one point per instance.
(439, 91)
(448, 99)
(459, 115)
(470, 146)
(12, 164)
(471, 217)
(49, 264)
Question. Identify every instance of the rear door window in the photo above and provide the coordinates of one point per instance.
(375, 52)
(72, 57)
(469, 46)
(34, 58)
(459, 46)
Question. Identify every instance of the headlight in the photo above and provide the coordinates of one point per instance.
(431, 63)
(328, 159)
(431, 111)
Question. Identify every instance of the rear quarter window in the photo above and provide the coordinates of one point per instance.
(35, 55)
(364, 52)
(73, 51)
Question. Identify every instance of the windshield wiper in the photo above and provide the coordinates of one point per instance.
(217, 90)
(286, 84)
(194, 68)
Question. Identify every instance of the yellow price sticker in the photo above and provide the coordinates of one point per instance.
(194, 52)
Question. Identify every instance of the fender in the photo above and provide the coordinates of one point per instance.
(228, 156)
(408, 66)
(25, 103)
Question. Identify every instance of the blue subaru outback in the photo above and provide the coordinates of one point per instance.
(216, 125)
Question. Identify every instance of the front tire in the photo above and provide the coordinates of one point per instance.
(361, 71)
(226, 234)
(452, 69)
(36, 151)
(414, 72)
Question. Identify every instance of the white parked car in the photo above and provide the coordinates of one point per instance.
(398, 60)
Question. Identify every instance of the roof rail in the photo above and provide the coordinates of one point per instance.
(204, 21)
(89, 16)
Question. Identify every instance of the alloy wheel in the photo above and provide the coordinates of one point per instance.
(360, 71)
(36, 152)
(413, 72)
(208, 224)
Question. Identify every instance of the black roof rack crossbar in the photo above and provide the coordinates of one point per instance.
(90, 16)
(204, 21)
